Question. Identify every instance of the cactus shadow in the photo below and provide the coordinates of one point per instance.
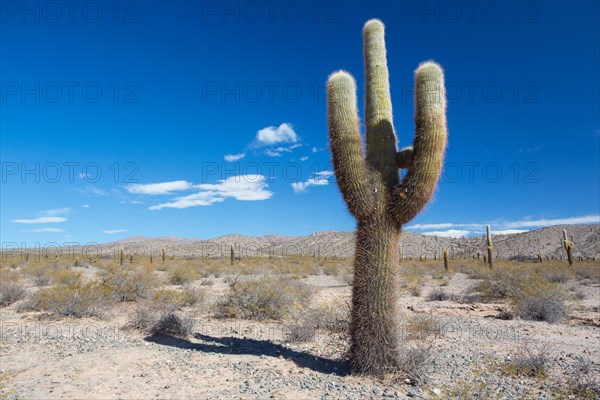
(237, 346)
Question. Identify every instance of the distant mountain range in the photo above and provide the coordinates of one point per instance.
(547, 241)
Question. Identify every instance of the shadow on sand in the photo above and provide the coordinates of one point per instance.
(233, 345)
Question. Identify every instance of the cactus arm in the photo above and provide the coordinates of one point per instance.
(411, 195)
(381, 139)
(404, 157)
(352, 174)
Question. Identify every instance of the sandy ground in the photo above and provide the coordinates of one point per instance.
(43, 358)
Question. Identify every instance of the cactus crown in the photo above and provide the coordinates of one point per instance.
(370, 182)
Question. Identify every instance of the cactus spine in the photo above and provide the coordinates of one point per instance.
(490, 248)
(446, 259)
(375, 195)
(569, 246)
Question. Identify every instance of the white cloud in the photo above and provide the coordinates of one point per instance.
(113, 231)
(234, 157)
(86, 206)
(513, 226)
(509, 231)
(55, 211)
(241, 187)
(320, 178)
(158, 188)
(44, 230)
(588, 219)
(271, 135)
(272, 153)
(451, 233)
(131, 202)
(303, 158)
(41, 220)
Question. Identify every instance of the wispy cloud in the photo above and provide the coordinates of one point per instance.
(93, 191)
(303, 158)
(271, 135)
(272, 153)
(113, 231)
(509, 231)
(241, 187)
(41, 220)
(158, 188)
(451, 233)
(54, 212)
(131, 202)
(47, 230)
(234, 157)
(500, 227)
(86, 206)
(320, 178)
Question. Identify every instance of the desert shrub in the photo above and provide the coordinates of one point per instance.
(499, 285)
(65, 276)
(584, 384)
(181, 275)
(415, 289)
(128, 284)
(188, 296)
(540, 305)
(414, 362)
(39, 274)
(420, 327)
(438, 294)
(557, 277)
(262, 299)
(81, 300)
(159, 318)
(173, 324)
(207, 282)
(10, 292)
(303, 325)
(331, 269)
(528, 361)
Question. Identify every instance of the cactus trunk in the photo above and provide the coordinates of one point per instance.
(373, 329)
(569, 246)
(490, 248)
(371, 187)
(446, 259)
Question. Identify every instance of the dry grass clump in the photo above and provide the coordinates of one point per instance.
(261, 299)
(188, 296)
(64, 276)
(10, 292)
(79, 300)
(414, 362)
(182, 275)
(420, 327)
(128, 284)
(539, 304)
(528, 361)
(439, 294)
(302, 325)
(39, 274)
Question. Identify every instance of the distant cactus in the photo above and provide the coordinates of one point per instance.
(121, 257)
(374, 193)
(490, 248)
(569, 246)
(163, 255)
(150, 258)
(485, 260)
(446, 259)
(232, 254)
(540, 258)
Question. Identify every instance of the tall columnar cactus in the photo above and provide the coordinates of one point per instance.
(121, 257)
(374, 193)
(232, 254)
(163, 255)
(446, 259)
(490, 248)
(569, 246)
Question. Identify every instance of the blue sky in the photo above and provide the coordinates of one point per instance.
(204, 118)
